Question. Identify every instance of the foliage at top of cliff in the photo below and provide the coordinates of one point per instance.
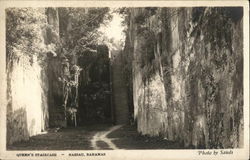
(24, 32)
(79, 28)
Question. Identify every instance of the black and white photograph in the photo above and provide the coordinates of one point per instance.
(134, 78)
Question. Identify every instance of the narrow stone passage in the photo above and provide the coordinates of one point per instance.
(102, 137)
(177, 81)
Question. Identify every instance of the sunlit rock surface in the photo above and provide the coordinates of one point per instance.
(28, 86)
(26, 115)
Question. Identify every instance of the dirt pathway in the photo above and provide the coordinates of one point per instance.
(102, 137)
(94, 137)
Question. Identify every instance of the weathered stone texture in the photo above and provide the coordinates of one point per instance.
(55, 71)
(28, 86)
(55, 96)
(119, 92)
(27, 113)
(187, 79)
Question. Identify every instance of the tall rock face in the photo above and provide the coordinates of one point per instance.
(55, 71)
(27, 83)
(33, 71)
(27, 112)
(119, 90)
(188, 74)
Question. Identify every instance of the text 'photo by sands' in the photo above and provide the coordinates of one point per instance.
(124, 80)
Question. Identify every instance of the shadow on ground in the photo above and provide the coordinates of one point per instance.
(79, 138)
(128, 138)
(64, 139)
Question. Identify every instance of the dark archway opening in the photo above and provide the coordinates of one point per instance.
(94, 88)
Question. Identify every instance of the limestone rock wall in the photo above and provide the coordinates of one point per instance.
(27, 72)
(188, 74)
(55, 71)
(27, 112)
(119, 90)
